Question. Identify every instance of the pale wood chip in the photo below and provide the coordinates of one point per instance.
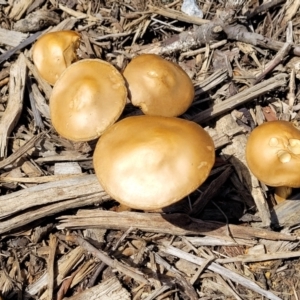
(11, 38)
(19, 8)
(15, 102)
(110, 289)
(64, 265)
(51, 259)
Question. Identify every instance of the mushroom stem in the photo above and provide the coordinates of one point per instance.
(281, 193)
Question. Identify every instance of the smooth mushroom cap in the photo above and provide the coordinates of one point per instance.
(273, 153)
(150, 162)
(159, 87)
(88, 97)
(54, 52)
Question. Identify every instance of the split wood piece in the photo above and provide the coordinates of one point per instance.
(66, 24)
(113, 263)
(47, 89)
(19, 8)
(176, 224)
(41, 102)
(79, 15)
(38, 122)
(64, 266)
(185, 284)
(70, 156)
(19, 221)
(220, 140)
(212, 241)
(76, 276)
(23, 207)
(201, 50)
(281, 54)
(259, 257)
(240, 33)
(176, 15)
(214, 267)
(22, 150)
(50, 265)
(286, 213)
(36, 4)
(11, 38)
(110, 289)
(5, 56)
(48, 193)
(245, 96)
(160, 291)
(210, 82)
(81, 273)
(14, 104)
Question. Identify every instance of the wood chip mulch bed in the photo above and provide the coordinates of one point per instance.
(63, 237)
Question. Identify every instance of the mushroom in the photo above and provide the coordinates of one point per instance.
(159, 87)
(88, 97)
(273, 155)
(150, 162)
(54, 52)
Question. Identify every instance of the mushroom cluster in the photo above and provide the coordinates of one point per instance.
(145, 162)
(273, 155)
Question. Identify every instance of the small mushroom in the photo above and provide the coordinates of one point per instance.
(89, 96)
(150, 162)
(159, 87)
(54, 52)
(273, 155)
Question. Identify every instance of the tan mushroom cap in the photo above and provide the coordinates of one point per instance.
(88, 97)
(54, 52)
(273, 153)
(158, 87)
(150, 162)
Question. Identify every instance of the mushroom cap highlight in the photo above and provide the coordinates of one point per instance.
(150, 162)
(53, 52)
(159, 87)
(273, 153)
(89, 96)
